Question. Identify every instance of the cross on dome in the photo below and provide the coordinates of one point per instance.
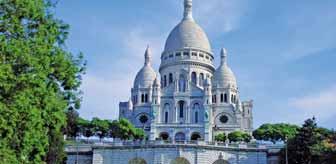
(223, 56)
(188, 10)
(148, 56)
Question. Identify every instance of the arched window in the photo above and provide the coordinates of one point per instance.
(146, 98)
(166, 117)
(182, 84)
(195, 136)
(201, 79)
(194, 78)
(170, 78)
(164, 80)
(142, 98)
(196, 117)
(232, 98)
(225, 98)
(181, 111)
(222, 98)
(196, 109)
(214, 99)
(164, 136)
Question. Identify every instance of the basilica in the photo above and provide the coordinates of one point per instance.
(190, 98)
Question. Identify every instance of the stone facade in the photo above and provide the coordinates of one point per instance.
(173, 154)
(190, 99)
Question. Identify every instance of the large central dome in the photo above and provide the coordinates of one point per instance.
(187, 34)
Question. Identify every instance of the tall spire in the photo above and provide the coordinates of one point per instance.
(148, 56)
(223, 56)
(187, 10)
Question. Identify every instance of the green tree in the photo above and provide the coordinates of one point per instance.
(239, 136)
(300, 146)
(123, 129)
(221, 137)
(275, 132)
(100, 127)
(311, 145)
(39, 80)
(72, 127)
(139, 134)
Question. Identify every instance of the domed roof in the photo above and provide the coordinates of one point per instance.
(187, 34)
(224, 76)
(146, 75)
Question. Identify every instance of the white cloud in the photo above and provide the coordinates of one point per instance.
(321, 105)
(102, 96)
(135, 43)
(103, 90)
(220, 16)
(309, 32)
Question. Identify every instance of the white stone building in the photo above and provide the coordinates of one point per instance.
(190, 99)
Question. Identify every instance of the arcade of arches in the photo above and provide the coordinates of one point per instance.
(180, 136)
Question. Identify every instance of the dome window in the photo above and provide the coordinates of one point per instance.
(194, 54)
(178, 54)
(185, 53)
(171, 55)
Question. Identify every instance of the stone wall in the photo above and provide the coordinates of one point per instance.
(167, 154)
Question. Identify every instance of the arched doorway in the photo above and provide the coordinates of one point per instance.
(164, 136)
(180, 136)
(137, 161)
(221, 161)
(180, 160)
(195, 137)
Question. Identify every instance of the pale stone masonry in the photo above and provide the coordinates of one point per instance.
(182, 108)
(190, 99)
(168, 154)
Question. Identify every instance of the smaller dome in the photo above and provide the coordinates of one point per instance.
(146, 75)
(224, 76)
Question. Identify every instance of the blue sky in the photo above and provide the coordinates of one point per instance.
(283, 53)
